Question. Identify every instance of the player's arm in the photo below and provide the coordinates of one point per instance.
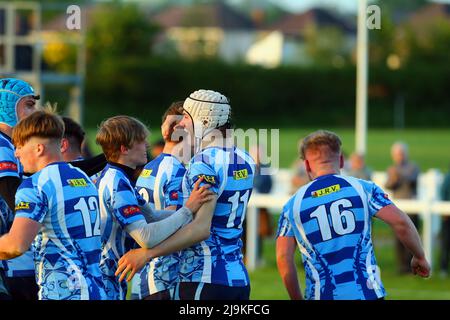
(196, 231)
(407, 233)
(148, 235)
(285, 248)
(18, 240)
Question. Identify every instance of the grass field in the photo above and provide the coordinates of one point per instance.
(429, 148)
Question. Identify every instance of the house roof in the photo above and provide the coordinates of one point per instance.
(429, 13)
(294, 24)
(203, 15)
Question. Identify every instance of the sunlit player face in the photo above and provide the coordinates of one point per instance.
(28, 155)
(187, 126)
(137, 154)
(25, 107)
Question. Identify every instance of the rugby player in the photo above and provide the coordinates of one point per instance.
(211, 264)
(330, 220)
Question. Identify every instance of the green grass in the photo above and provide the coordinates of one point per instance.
(428, 147)
(266, 282)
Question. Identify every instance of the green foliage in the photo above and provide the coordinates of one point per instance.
(285, 96)
(118, 32)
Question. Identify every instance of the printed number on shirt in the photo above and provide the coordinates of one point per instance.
(234, 200)
(343, 221)
(85, 208)
(144, 193)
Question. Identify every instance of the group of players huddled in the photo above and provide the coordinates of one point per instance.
(76, 229)
(73, 229)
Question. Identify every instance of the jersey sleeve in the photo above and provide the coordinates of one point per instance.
(125, 204)
(9, 166)
(172, 190)
(210, 176)
(378, 199)
(30, 203)
(284, 225)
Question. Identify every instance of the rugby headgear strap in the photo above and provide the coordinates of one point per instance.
(11, 91)
(208, 110)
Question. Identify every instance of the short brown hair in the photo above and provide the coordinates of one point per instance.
(73, 132)
(120, 131)
(44, 123)
(319, 139)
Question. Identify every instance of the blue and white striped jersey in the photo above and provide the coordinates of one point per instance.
(331, 220)
(160, 185)
(219, 259)
(119, 207)
(10, 166)
(68, 246)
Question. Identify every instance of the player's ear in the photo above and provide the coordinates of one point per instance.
(64, 145)
(307, 166)
(40, 149)
(341, 161)
(123, 149)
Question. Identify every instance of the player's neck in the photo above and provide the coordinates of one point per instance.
(4, 128)
(217, 142)
(326, 171)
(48, 159)
(71, 156)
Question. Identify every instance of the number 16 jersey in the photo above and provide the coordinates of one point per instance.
(330, 219)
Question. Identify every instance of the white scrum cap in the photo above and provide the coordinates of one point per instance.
(209, 108)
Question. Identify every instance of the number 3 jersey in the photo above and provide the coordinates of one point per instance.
(331, 219)
(218, 259)
(68, 246)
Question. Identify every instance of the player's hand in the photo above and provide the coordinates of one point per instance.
(420, 267)
(132, 262)
(199, 196)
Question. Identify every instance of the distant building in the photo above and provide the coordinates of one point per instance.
(211, 30)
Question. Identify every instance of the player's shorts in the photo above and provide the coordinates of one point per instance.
(23, 288)
(208, 291)
(161, 295)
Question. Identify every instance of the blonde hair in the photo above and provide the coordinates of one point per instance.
(120, 131)
(43, 123)
(318, 139)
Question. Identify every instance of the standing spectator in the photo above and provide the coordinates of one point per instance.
(445, 236)
(402, 181)
(358, 168)
(262, 184)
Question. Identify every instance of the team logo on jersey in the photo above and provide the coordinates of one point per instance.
(240, 174)
(326, 191)
(6, 165)
(208, 179)
(77, 182)
(173, 195)
(24, 206)
(146, 173)
(128, 211)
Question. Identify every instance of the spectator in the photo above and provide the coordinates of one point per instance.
(358, 168)
(402, 181)
(445, 235)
